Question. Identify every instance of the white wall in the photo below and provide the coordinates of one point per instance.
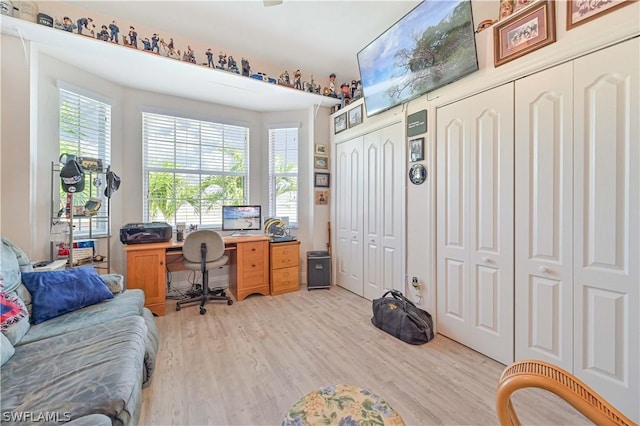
(32, 143)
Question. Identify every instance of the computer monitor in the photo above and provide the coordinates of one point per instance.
(241, 219)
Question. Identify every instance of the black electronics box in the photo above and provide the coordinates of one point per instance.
(139, 233)
(45, 20)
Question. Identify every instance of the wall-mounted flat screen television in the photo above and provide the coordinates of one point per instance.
(431, 46)
(241, 219)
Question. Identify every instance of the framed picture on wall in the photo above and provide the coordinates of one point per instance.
(340, 122)
(321, 162)
(322, 197)
(321, 180)
(355, 116)
(580, 12)
(416, 149)
(321, 149)
(524, 32)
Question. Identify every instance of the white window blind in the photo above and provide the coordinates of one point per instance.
(85, 130)
(192, 168)
(283, 174)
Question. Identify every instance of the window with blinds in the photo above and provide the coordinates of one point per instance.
(85, 130)
(283, 174)
(192, 168)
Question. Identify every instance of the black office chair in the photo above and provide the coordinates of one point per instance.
(204, 250)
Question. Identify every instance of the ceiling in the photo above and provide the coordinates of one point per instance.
(317, 37)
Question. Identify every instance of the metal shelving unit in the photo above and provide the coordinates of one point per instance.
(70, 221)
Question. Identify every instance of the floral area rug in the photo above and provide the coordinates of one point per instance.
(342, 405)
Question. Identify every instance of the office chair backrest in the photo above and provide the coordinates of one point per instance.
(193, 242)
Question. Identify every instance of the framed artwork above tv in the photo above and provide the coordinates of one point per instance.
(431, 46)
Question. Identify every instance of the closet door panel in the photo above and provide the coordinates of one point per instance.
(392, 205)
(544, 217)
(349, 215)
(452, 222)
(491, 225)
(607, 228)
(372, 213)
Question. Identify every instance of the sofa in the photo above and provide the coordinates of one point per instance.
(77, 347)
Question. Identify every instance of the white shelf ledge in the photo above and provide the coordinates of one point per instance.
(161, 74)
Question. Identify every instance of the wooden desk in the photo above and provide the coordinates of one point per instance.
(147, 265)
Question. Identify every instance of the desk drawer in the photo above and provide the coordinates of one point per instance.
(285, 280)
(284, 256)
(252, 252)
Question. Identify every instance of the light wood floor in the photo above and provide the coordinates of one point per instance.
(246, 364)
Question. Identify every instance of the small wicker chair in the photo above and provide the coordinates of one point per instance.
(539, 374)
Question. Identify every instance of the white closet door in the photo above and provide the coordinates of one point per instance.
(384, 210)
(544, 216)
(349, 215)
(607, 224)
(475, 222)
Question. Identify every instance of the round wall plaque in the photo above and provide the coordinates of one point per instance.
(417, 174)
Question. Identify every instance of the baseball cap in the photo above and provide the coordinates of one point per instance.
(113, 183)
(72, 177)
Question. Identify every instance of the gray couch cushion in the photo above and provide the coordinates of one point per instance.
(95, 370)
(6, 349)
(153, 340)
(13, 261)
(129, 303)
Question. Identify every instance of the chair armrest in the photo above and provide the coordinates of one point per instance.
(539, 374)
(115, 282)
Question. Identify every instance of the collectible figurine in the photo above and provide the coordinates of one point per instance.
(297, 76)
(209, 54)
(332, 85)
(66, 24)
(103, 34)
(154, 43)
(284, 78)
(170, 45)
(354, 86)
(246, 68)
(146, 44)
(345, 94)
(133, 37)
(114, 31)
(222, 60)
(87, 24)
(189, 55)
(233, 65)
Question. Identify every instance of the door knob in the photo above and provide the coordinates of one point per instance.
(486, 260)
(543, 269)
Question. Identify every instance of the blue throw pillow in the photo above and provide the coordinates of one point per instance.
(54, 293)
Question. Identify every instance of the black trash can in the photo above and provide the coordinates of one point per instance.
(318, 269)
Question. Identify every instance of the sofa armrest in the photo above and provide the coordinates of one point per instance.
(115, 282)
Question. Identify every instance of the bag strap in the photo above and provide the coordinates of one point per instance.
(399, 296)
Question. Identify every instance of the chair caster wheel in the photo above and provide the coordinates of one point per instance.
(177, 307)
(223, 294)
(229, 302)
(203, 311)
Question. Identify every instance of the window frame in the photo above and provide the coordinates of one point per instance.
(273, 175)
(199, 174)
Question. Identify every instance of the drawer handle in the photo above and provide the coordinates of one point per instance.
(253, 249)
(253, 266)
(161, 263)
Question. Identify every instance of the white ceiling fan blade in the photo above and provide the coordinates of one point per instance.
(268, 3)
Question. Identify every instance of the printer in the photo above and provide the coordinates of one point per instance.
(151, 232)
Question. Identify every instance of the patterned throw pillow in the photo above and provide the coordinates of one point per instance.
(11, 311)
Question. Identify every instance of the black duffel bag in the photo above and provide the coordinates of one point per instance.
(399, 317)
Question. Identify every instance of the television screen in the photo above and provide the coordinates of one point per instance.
(431, 46)
(241, 218)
